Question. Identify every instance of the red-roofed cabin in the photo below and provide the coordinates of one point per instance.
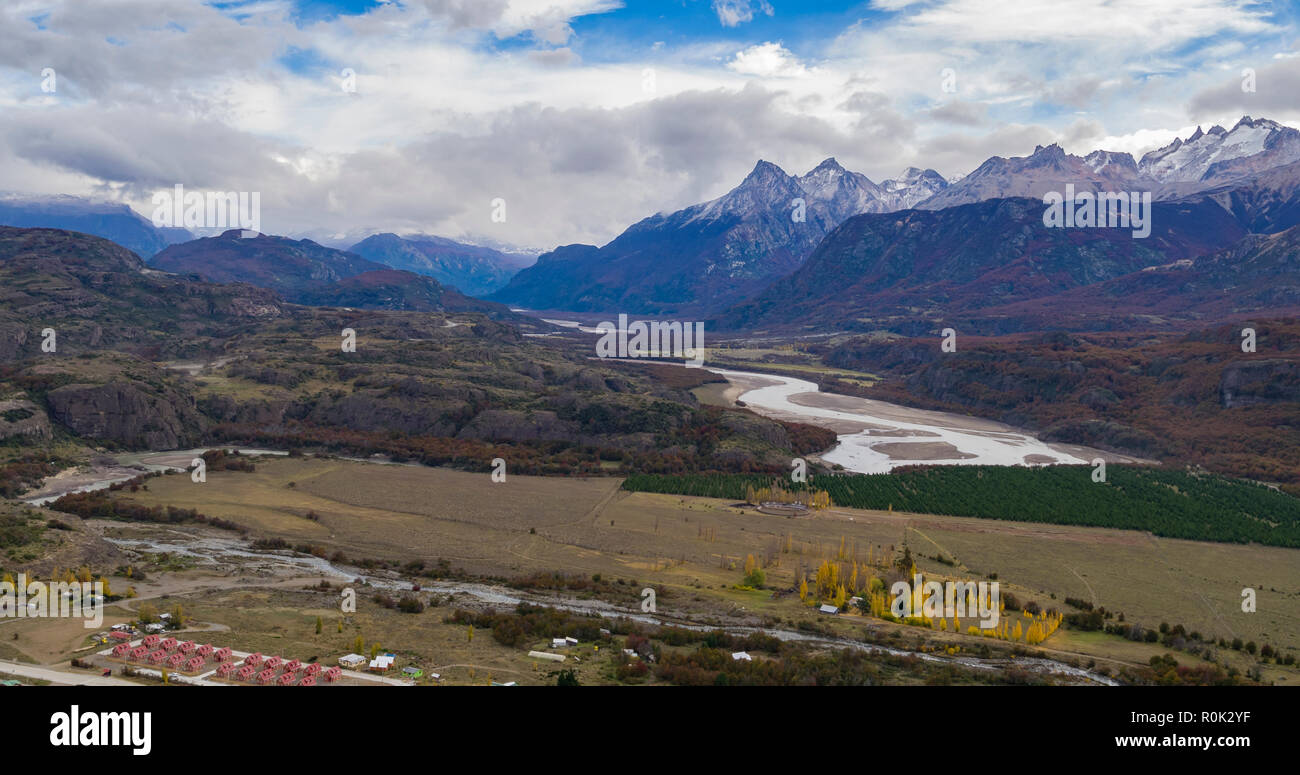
(285, 679)
(204, 651)
(333, 673)
(253, 659)
(311, 669)
(168, 644)
(139, 653)
(176, 660)
(292, 665)
(121, 649)
(158, 657)
(265, 677)
(246, 672)
(273, 662)
(194, 664)
(222, 655)
(188, 646)
(119, 635)
(152, 640)
(225, 669)
(308, 681)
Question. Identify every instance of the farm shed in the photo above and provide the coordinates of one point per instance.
(352, 661)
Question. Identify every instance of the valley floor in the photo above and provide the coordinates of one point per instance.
(361, 524)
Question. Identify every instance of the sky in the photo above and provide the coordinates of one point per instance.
(351, 117)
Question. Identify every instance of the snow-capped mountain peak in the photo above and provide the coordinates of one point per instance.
(912, 185)
(1220, 154)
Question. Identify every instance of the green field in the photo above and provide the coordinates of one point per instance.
(1170, 504)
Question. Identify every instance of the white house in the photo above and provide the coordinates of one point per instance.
(352, 661)
(382, 662)
(829, 609)
(741, 656)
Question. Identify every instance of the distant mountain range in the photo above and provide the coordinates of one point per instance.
(472, 270)
(115, 222)
(304, 272)
(912, 268)
(1204, 161)
(713, 253)
(909, 251)
(827, 250)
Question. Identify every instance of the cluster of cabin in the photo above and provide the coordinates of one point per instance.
(185, 657)
(275, 671)
(190, 658)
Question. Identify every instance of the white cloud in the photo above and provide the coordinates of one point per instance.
(768, 60)
(1155, 23)
(443, 120)
(736, 12)
(546, 20)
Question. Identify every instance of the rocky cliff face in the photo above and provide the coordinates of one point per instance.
(97, 295)
(127, 414)
(1267, 381)
(24, 419)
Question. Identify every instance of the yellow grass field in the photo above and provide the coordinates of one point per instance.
(696, 546)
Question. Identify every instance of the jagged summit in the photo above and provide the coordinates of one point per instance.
(1219, 154)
